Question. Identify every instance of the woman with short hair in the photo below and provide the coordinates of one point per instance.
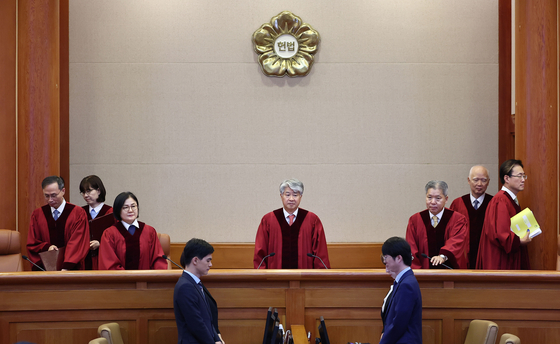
(130, 244)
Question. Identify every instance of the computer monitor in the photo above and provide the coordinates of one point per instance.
(323, 332)
(269, 326)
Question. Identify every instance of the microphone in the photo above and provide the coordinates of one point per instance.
(29, 260)
(314, 256)
(447, 266)
(262, 261)
(169, 259)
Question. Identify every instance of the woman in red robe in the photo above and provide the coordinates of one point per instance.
(130, 244)
(93, 192)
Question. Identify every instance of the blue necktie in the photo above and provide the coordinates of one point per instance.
(55, 214)
(476, 204)
(93, 214)
(131, 230)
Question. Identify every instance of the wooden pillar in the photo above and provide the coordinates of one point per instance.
(39, 103)
(536, 122)
(506, 125)
(8, 198)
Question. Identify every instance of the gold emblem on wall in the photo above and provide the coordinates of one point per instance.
(286, 45)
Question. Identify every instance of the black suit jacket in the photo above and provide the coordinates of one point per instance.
(192, 313)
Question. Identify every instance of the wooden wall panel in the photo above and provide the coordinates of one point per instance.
(341, 255)
(506, 123)
(8, 201)
(536, 138)
(38, 103)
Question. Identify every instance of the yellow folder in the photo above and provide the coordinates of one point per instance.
(523, 221)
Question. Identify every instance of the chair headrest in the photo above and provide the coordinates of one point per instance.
(9, 242)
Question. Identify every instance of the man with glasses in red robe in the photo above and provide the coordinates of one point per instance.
(500, 248)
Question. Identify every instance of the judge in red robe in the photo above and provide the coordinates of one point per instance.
(58, 226)
(130, 244)
(500, 248)
(93, 191)
(287, 235)
(473, 206)
(437, 232)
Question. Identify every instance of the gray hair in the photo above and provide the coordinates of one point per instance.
(437, 185)
(293, 184)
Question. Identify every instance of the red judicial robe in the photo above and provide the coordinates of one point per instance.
(500, 248)
(448, 238)
(91, 261)
(121, 251)
(70, 231)
(475, 221)
(291, 243)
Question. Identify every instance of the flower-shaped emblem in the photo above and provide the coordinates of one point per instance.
(286, 45)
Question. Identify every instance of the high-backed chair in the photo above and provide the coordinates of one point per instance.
(111, 332)
(10, 251)
(508, 338)
(482, 332)
(165, 242)
(99, 341)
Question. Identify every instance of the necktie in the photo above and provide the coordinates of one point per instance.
(202, 290)
(390, 296)
(476, 204)
(56, 213)
(435, 221)
(93, 214)
(291, 217)
(131, 230)
(387, 298)
(516, 201)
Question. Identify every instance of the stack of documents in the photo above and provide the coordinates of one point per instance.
(523, 221)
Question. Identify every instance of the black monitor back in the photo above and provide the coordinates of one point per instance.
(277, 335)
(323, 332)
(269, 326)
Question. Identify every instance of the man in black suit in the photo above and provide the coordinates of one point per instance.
(402, 308)
(192, 302)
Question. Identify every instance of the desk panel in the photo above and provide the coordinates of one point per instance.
(67, 307)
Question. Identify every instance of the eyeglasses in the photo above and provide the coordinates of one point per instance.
(47, 197)
(87, 192)
(383, 260)
(522, 176)
(130, 207)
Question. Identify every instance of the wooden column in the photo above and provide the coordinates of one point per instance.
(8, 200)
(536, 137)
(506, 125)
(39, 103)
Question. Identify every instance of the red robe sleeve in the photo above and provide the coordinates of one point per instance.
(312, 239)
(455, 239)
(155, 251)
(262, 242)
(459, 206)
(37, 236)
(76, 235)
(112, 250)
(417, 239)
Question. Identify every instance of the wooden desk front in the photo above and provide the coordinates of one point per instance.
(67, 307)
